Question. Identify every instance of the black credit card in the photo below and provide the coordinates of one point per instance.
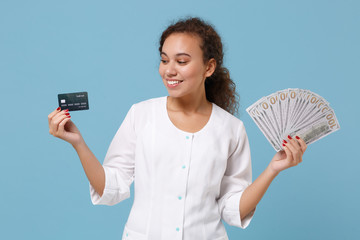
(74, 101)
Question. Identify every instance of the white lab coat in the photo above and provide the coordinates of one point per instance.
(184, 183)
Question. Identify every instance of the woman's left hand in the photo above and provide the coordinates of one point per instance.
(290, 156)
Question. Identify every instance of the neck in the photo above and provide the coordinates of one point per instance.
(189, 103)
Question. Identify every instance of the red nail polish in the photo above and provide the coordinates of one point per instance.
(58, 108)
(284, 145)
(67, 114)
(284, 141)
(289, 137)
(297, 137)
(66, 110)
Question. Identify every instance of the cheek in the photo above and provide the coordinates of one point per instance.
(191, 72)
(161, 70)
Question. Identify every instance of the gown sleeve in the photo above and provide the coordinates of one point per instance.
(238, 176)
(118, 164)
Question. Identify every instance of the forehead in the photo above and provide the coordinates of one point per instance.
(182, 43)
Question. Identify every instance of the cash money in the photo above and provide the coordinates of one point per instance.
(294, 112)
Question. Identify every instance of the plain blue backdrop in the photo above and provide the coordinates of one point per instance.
(110, 49)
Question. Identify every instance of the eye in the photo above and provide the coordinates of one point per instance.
(182, 62)
(163, 61)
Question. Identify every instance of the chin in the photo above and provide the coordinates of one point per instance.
(174, 94)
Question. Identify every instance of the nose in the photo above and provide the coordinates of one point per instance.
(170, 69)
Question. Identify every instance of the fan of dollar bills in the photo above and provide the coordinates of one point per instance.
(294, 112)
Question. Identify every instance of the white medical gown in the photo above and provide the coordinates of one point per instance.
(184, 183)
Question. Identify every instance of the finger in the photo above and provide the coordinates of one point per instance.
(55, 114)
(61, 128)
(54, 124)
(289, 156)
(296, 145)
(59, 131)
(52, 114)
(296, 150)
(294, 142)
(302, 143)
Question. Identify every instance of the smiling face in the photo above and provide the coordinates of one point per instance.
(182, 67)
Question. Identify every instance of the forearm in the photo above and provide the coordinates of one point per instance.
(253, 193)
(92, 167)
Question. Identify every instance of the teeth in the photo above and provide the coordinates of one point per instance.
(173, 82)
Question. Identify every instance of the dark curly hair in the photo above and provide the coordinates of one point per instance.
(220, 89)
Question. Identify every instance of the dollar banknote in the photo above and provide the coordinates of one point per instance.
(294, 112)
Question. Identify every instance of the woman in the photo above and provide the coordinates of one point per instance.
(189, 156)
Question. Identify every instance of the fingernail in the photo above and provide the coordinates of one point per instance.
(297, 137)
(58, 108)
(67, 114)
(284, 141)
(289, 137)
(66, 110)
(284, 145)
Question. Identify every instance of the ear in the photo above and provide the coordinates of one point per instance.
(210, 67)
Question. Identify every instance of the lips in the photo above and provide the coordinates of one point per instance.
(173, 82)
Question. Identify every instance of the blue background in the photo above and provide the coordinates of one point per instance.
(110, 49)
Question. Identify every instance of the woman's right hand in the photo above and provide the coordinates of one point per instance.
(61, 126)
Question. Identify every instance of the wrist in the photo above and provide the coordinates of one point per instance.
(271, 172)
(79, 144)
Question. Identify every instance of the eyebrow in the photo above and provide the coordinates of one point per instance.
(178, 54)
